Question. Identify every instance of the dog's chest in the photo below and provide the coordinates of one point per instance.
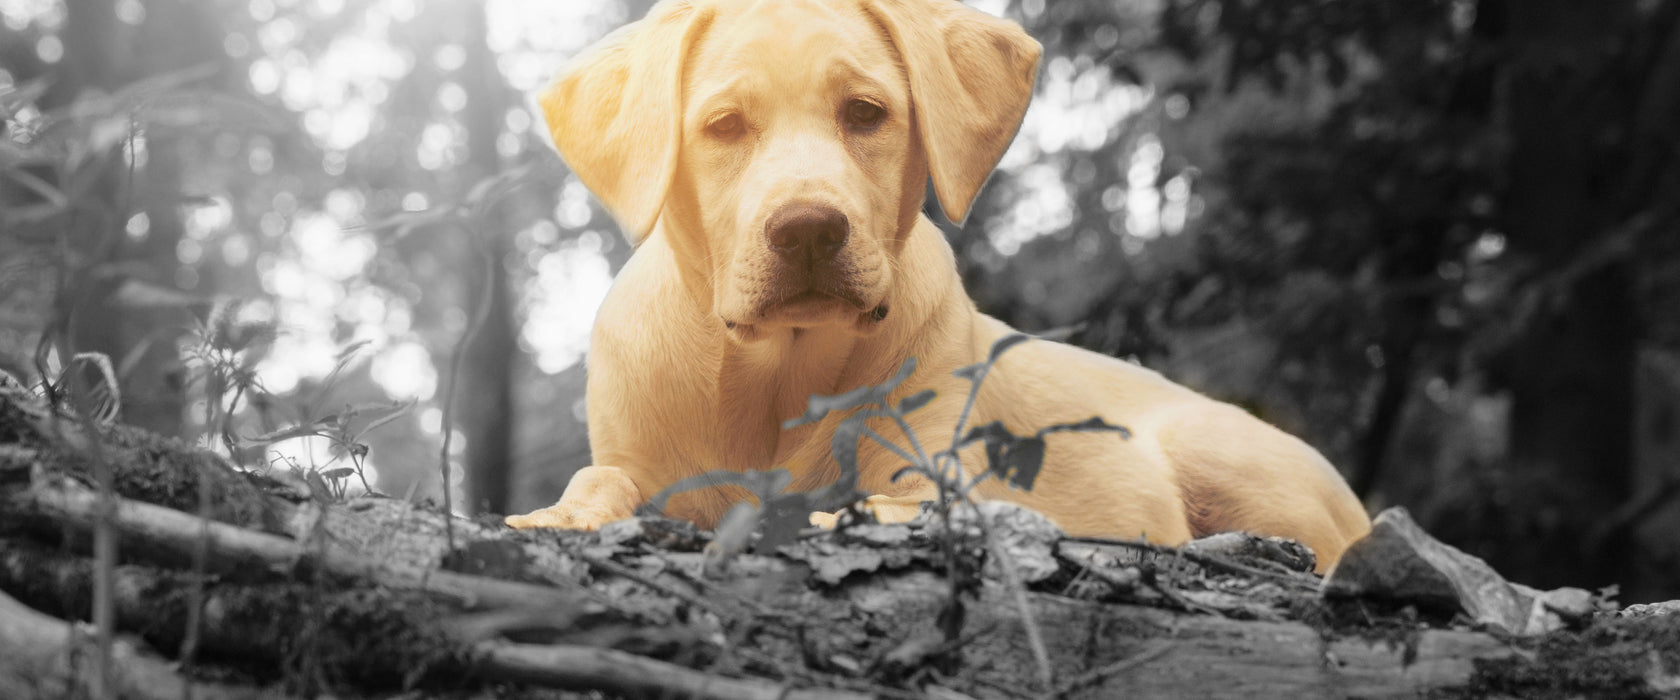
(756, 394)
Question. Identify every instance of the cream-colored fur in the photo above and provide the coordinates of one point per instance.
(710, 125)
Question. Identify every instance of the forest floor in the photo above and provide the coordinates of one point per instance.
(281, 592)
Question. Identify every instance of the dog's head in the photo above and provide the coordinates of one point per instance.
(786, 144)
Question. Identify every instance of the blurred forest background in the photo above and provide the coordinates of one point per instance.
(1436, 238)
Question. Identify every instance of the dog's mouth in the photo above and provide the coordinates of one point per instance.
(847, 293)
(810, 307)
(814, 299)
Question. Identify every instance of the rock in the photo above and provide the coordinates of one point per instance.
(1400, 561)
(1671, 607)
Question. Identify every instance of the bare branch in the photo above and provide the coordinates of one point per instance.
(607, 669)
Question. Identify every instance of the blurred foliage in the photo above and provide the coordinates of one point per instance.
(1361, 263)
(342, 166)
(1331, 212)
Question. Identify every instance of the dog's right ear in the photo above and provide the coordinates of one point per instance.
(615, 112)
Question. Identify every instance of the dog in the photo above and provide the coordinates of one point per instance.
(769, 160)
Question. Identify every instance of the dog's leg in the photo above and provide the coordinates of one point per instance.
(594, 497)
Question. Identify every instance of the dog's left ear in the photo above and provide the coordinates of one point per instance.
(971, 77)
(615, 112)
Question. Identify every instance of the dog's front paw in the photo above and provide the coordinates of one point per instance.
(883, 509)
(557, 517)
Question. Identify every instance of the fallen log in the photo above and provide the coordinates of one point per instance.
(1098, 647)
(233, 549)
(1105, 651)
(638, 610)
(45, 657)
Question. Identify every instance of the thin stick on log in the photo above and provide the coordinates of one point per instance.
(608, 669)
(39, 658)
(1018, 590)
(178, 533)
(657, 586)
(1094, 677)
(104, 534)
(1301, 581)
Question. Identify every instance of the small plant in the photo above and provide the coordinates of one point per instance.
(100, 395)
(344, 431)
(1017, 459)
(779, 514)
(221, 355)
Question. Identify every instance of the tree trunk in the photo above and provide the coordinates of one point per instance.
(487, 407)
(103, 53)
(1571, 371)
(487, 413)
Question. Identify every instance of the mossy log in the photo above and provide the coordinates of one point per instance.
(375, 595)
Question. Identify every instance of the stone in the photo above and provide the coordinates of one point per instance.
(1399, 561)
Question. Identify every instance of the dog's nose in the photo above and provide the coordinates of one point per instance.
(807, 233)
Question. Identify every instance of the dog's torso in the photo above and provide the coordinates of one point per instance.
(695, 404)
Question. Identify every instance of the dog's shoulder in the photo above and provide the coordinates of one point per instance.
(649, 321)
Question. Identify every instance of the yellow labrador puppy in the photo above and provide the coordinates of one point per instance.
(769, 160)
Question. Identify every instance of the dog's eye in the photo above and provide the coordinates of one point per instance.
(727, 126)
(862, 114)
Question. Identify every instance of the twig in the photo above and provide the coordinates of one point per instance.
(841, 682)
(1154, 651)
(481, 311)
(104, 534)
(1302, 581)
(1017, 589)
(755, 607)
(593, 668)
(968, 405)
(195, 596)
(909, 434)
(625, 572)
(201, 553)
(882, 441)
